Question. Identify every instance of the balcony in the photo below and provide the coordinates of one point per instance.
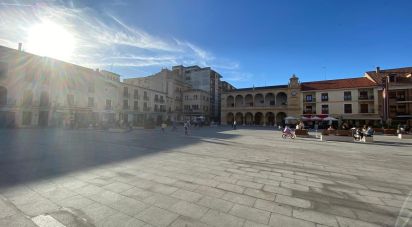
(146, 109)
(309, 101)
(108, 107)
(126, 107)
(126, 95)
(309, 112)
(371, 111)
(366, 97)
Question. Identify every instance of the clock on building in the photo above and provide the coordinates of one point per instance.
(294, 93)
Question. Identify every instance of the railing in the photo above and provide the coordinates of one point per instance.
(126, 95)
(136, 96)
(108, 107)
(366, 97)
(126, 107)
(312, 100)
(367, 112)
(146, 98)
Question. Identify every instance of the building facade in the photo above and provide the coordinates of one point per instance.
(353, 101)
(262, 105)
(394, 94)
(196, 105)
(204, 79)
(42, 92)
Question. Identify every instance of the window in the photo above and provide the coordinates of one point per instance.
(108, 104)
(44, 99)
(145, 95)
(324, 97)
(90, 102)
(26, 118)
(308, 98)
(325, 109)
(401, 96)
(3, 69)
(90, 87)
(347, 96)
(136, 94)
(195, 107)
(401, 109)
(308, 110)
(125, 104)
(136, 105)
(70, 100)
(186, 97)
(348, 108)
(363, 95)
(364, 108)
(392, 78)
(125, 92)
(156, 98)
(27, 98)
(195, 97)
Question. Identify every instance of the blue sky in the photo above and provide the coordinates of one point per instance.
(249, 42)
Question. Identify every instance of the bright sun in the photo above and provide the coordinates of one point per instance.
(51, 40)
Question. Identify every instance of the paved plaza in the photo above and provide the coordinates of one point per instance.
(214, 177)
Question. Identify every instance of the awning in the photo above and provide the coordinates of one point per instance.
(361, 117)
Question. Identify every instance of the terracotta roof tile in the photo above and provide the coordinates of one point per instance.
(338, 84)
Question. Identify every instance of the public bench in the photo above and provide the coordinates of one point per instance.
(404, 136)
(301, 133)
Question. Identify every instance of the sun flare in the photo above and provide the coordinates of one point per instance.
(51, 40)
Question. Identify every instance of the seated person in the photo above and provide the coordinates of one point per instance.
(330, 128)
(369, 132)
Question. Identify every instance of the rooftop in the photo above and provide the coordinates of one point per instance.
(358, 82)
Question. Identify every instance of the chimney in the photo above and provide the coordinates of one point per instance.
(20, 46)
(378, 69)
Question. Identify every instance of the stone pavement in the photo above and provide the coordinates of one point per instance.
(215, 177)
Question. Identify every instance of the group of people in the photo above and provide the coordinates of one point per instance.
(358, 133)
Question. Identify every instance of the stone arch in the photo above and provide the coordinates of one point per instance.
(280, 118)
(259, 100)
(239, 101)
(230, 101)
(239, 118)
(248, 100)
(229, 118)
(281, 99)
(270, 118)
(248, 118)
(259, 118)
(270, 99)
(3, 96)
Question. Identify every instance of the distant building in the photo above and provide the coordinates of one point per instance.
(196, 105)
(397, 107)
(43, 92)
(353, 101)
(268, 105)
(204, 79)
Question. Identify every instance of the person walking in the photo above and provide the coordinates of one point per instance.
(186, 126)
(234, 125)
(163, 126)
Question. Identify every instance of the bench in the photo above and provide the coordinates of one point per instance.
(367, 139)
(301, 133)
(405, 136)
(336, 138)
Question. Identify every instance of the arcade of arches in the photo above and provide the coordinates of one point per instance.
(256, 118)
(257, 100)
